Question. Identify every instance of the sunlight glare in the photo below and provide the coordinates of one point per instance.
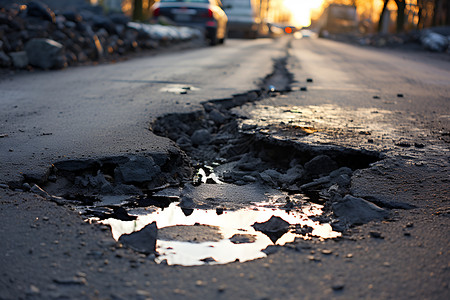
(301, 10)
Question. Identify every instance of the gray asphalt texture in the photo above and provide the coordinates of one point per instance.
(47, 251)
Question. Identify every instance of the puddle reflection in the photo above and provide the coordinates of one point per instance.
(230, 223)
(178, 89)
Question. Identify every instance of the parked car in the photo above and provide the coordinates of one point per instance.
(243, 18)
(337, 18)
(206, 15)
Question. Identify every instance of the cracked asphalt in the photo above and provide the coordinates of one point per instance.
(393, 102)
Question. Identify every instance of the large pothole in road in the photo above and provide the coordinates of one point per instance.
(248, 192)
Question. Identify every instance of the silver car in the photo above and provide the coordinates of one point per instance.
(206, 15)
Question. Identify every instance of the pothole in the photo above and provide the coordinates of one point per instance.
(227, 151)
(232, 193)
(217, 236)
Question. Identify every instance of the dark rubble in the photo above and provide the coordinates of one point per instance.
(34, 36)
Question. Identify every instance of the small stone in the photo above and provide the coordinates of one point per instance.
(339, 286)
(274, 224)
(321, 164)
(309, 80)
(303, 89)
(271, 249)
(249, 178)
(186, 202)
(143, 241)
(81, 274)
(352, 210)
(217, 117)
(138, 169)
(301, 245)
(376, 235)
(243, 239)
(45, 53)
(200, 283)
(246, 127)
(313, 258)
(400, 95)
(71, 281)
(40, 10)
(201, 137)
(326, 251)
(208, 260)
(26, 186)
(365, 132)
(143, 294)
(34, 290)
(19, 59)
(39, 191)
(5, 60)
(403, 144)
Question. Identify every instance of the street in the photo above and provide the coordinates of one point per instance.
(102, 111)
(275, 118)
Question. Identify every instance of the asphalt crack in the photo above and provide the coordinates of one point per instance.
(219, 152)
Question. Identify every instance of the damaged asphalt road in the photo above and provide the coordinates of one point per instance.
(343, 133)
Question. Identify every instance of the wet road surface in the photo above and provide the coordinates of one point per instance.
(355, 96)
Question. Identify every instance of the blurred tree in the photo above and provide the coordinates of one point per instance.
(420, 13)
(146, 6)
(383, 12)
(425, 13)
(413, 13)
(137, 10)
(441, 13)
(401, 5)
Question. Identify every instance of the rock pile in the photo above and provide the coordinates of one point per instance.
(33, 35)
(436, 39)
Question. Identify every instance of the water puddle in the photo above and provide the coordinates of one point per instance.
(329, 124)
(238, 240)
(178, 89)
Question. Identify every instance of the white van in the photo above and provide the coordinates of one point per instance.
(243, 17)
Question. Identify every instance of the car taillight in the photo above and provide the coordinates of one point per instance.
(156, 12)
(208, 14)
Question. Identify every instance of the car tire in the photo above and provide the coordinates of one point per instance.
(213, 40)
(212, 37)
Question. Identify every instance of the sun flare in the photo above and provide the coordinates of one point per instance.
(301, 10)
